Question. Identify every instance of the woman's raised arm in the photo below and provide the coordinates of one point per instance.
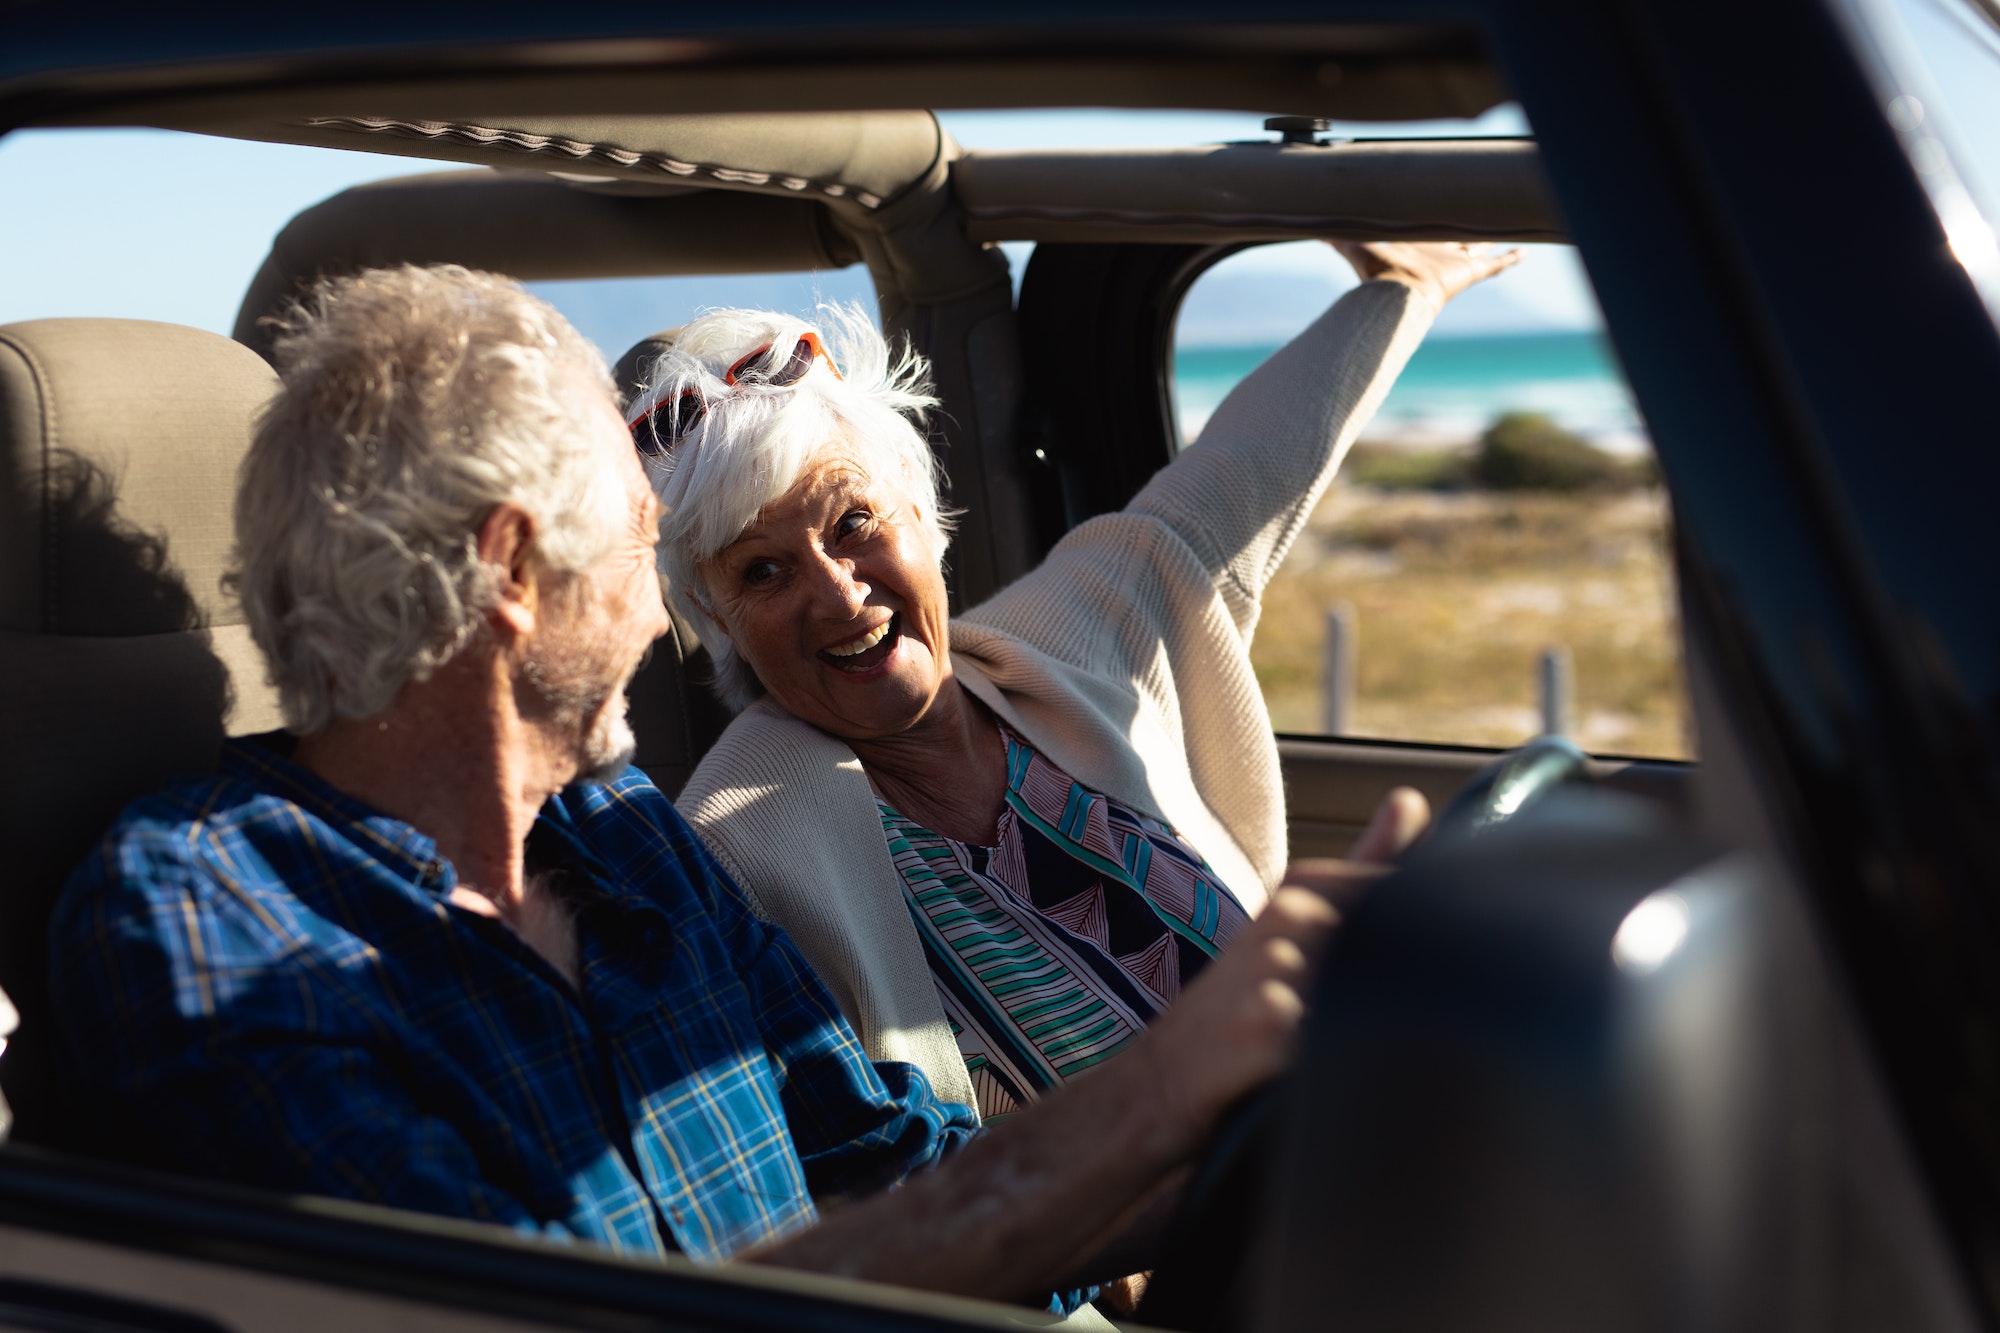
(1239, 496)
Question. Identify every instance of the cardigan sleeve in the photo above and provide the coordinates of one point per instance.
(1125, 655)
(1240, 494)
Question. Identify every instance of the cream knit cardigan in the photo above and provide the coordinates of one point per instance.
(1125, 658)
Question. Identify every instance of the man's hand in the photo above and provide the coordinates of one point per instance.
(1235, 1027)
(1398, 821)
(1049, 1192)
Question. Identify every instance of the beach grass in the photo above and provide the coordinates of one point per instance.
(1455, 595)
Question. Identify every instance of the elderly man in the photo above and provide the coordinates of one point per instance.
(434, 948)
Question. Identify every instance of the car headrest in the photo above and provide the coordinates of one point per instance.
(636, 366)
(125, 663)
(121, 440)
(675, 714)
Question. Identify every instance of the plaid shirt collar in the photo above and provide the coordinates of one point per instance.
(265, 762)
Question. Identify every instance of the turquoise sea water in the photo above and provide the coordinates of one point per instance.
(1454, 387)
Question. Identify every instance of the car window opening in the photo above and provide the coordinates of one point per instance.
(1493, 561)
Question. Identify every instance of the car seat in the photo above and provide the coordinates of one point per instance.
(125, 665)
(674, 713)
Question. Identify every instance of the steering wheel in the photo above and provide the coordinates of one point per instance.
(1204, 1251)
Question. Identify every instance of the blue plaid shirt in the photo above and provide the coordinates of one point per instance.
(262, 981)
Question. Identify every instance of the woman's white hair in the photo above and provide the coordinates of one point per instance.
(414, 401)
(755, 440)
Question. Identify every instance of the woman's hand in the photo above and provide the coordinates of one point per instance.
(1435, 270)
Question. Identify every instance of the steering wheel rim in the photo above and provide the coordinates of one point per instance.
(1204, 1249)
(1510, 784)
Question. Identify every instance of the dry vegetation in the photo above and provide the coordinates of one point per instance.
(1456, 594)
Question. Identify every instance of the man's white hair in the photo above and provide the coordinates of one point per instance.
(756, 440)
(414, 401)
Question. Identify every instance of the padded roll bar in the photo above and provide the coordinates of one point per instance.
(1415, 189)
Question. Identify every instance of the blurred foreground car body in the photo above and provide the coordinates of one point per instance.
(1774, 1101)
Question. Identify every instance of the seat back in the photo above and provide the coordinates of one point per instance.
(123, 663)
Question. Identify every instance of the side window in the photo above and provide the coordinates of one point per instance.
(1492, 561)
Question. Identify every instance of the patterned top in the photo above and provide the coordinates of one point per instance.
(261, 980)
(1053, 949)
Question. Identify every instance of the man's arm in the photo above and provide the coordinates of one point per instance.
(1042, 1195)
(858, 1127)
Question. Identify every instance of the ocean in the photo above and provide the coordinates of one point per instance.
(1454, 387)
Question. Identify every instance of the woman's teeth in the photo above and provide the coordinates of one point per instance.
(855, 647)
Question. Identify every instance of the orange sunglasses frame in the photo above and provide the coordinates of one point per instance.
(642, 437)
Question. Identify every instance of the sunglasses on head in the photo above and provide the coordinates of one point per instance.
(664, 423)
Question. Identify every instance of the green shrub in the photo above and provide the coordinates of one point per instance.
(1525, 451)
(1389, 468)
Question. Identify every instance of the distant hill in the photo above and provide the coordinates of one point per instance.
(1261, 306)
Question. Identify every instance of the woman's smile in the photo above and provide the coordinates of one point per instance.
(865, 652)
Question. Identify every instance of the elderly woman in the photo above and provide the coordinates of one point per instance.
(1005, 840)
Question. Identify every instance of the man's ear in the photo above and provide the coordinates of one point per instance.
(506, 548)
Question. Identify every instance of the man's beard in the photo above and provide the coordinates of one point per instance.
(607, 751)
(609, 745)
(581, 707)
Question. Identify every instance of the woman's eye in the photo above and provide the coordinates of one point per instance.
(758, 572)
(853, 523)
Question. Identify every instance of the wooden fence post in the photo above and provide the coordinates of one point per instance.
(1558, 691)
(1337, 711)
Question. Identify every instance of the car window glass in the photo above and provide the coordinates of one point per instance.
(1959, 46)
(1493, 559)
(210, 208)
(1937, 66)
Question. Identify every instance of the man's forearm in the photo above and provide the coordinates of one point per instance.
(1133, 1244)
(1036, 1198)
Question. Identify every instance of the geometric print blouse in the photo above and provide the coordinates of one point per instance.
(1053, 949)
